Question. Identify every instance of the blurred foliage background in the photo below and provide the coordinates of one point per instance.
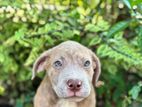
(111, 28)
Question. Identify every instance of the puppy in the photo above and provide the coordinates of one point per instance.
(71, 71)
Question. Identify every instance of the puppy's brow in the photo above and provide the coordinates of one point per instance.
(59, 58)
(82, 58)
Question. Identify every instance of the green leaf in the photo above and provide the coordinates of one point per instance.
(127, 3)
(102, 50)
(139, 33)
(112, 69)
(93, 3)
(33, 55)
(2, 55)
(10, 41)
(50, 40)
(117, 28)
(2, 90)
(91, 27)
(67, 34)
(100, 25)
(134, 92)
(135, 2)
(19, 36)
(19, 103)
(95, 40)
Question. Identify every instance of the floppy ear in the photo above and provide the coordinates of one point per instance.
(97, 68)
(40, 63)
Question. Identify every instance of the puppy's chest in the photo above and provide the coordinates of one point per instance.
(64, 103)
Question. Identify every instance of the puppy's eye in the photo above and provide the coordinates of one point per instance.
(87, 63)
(57, 64)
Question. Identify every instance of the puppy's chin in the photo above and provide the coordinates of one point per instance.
(74, 99)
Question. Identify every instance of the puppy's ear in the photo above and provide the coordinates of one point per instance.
(96, 67)
(40, 63)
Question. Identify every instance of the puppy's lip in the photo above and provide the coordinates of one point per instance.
(74, 96)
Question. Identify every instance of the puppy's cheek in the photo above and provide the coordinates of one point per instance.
(87, 93)
(54, 83)
(52, 77)
(86, 90)
(56, 90)
(84, 94)
(61, 90)
(55, 80)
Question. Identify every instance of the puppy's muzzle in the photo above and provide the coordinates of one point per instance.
(74, 85)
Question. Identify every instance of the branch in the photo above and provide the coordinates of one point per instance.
(117, 50)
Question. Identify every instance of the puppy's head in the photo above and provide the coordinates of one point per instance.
(71, 68)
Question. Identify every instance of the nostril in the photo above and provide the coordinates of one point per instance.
(79, 84)
(70, 84)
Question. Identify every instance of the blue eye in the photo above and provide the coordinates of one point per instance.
(87, 63)
(57, 63)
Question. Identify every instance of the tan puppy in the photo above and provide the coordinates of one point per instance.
(71, 72)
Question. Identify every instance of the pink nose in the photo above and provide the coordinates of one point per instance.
(74, 85)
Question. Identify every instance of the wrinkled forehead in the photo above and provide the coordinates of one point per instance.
(71, 53)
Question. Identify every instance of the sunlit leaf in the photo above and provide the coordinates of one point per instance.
(117, 28)
(134, 92)
(32, 56)
(2, 89)
(95, 40)
(128, 3)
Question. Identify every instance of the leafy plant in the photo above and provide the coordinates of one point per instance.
(112, 29)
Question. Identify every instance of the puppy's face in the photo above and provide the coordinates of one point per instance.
(71, 73)
(70, 68)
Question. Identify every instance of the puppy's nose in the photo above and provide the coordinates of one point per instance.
(74, 85)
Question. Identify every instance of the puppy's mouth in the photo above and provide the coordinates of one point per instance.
(74, 96)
